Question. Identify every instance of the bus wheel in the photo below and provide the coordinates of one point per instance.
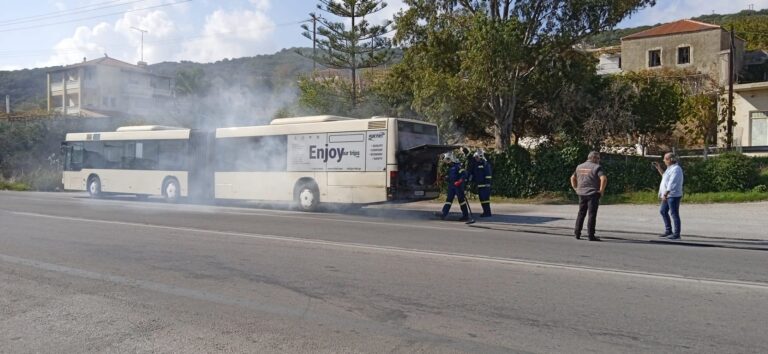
(171, 190)
(307, 197)
(94, 187)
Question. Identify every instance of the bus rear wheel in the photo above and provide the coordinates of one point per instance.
(94, 187)
(171, 190)
(307, 197)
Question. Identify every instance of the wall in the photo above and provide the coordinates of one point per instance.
(745, 102)
(705, 50)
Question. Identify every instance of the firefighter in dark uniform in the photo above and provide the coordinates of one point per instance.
(482, 175)
(456, 178)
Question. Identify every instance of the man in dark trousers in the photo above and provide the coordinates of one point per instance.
(481, 174)
(589, 182)
(455, 178)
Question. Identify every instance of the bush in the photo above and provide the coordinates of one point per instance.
(733, 172)
(13, 186)
(518, 173)
(760, 189)
(630, 174)
(727, 172)
(43, 180)
(511, 172)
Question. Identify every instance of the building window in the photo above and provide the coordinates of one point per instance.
(654, 58)
(758, 123)
(684, 55)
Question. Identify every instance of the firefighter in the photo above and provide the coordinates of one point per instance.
(455, 178)
(481, 174)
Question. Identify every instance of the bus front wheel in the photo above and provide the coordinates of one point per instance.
(94, 187)
(171, 190)
(308, 197)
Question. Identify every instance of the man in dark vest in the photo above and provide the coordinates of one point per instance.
(589, 182)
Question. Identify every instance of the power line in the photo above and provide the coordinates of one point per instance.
(64, 13)
(173, 40)
(92, 17)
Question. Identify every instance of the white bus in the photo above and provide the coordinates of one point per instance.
(306, 160)
(141, 160)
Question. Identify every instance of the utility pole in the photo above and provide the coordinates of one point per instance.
(729, 123)
(142, 41)
(7, 104)
(314, 18)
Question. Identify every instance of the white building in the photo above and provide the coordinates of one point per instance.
(107, 87)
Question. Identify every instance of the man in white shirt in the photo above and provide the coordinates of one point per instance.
(670, 193)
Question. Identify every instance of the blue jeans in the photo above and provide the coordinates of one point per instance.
(671, 206)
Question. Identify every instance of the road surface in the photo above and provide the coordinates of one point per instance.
(120, 275)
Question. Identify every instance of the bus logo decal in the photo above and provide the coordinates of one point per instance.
(325, 153)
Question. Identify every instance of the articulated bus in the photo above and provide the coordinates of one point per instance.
(306, 160)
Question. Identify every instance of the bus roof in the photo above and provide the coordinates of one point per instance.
(309, 119)
(321, 126)
(143, 128)
(178, 133)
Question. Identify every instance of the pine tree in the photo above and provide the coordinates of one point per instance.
(357, 46)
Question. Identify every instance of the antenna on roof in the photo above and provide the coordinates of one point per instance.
(142, 41)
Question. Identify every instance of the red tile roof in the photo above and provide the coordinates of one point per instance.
(681, 26)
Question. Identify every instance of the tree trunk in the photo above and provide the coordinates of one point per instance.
(503, 109)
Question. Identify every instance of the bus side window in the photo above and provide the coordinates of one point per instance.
(172, 155)
(93, 155)
(129, 156)
(113, 152)
(147, 154)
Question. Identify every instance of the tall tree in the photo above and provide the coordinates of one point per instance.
(494, 48)
(353, 43)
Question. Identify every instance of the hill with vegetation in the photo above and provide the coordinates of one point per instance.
(26, 88)
(750, 25)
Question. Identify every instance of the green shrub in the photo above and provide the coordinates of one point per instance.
(733, 172)
(550, 170)
(13, 186)
(760, 189)
(629, 174)
(43, 180)
(511, 171)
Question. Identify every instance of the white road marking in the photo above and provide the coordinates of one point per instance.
(439, 254)
(272, 213)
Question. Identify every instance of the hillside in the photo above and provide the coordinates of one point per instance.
(263, 72)
(748, 24)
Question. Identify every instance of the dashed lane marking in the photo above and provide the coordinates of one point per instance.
(438, 254)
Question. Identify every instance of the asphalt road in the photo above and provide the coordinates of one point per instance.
(120, 275)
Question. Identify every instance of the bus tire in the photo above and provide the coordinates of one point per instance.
(94, 187)
(307, 196)
(171, 190)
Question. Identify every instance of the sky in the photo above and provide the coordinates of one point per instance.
(41, 33)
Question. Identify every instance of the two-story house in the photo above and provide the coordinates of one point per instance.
(685, 44)
(703, 50)
(107, 87)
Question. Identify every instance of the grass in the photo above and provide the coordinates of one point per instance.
(13, 186)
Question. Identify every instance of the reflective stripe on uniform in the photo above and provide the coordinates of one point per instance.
(483, 185)
(448, 203)
(463, 203)
(461, 170)
(486, 202)
(480, 166)
(488, 177)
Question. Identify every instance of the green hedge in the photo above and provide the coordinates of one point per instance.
(518, 172)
